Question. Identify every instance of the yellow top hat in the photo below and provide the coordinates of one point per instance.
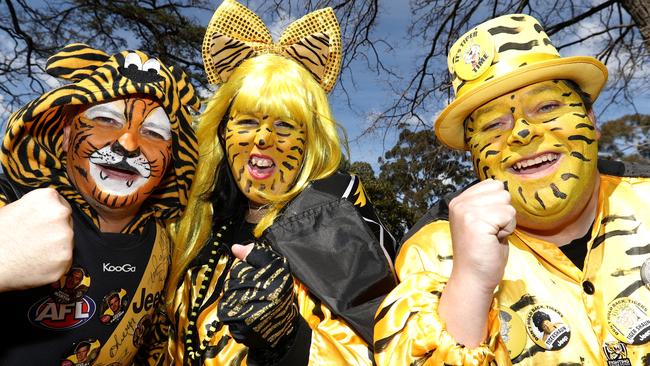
(502, 55)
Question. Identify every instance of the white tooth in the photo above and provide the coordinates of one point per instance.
(524, 164)
(545, 158)
(538, 160)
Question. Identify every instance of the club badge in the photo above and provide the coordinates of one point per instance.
(547, 328)
(72, 286)
(628, 321)
(645, 273)
(82, 353)
(512, 331)
(472, 55)
(113, 307)
(616, 354)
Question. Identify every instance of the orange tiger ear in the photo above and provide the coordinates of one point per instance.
(75, 62)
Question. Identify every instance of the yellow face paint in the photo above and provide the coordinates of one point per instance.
(542, 143)
(265, 153)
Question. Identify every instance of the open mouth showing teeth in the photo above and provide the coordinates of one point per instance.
(260, 167)
(533, 165)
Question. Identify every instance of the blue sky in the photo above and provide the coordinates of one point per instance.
(371, 92)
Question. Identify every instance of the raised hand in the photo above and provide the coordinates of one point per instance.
(258, 302)
(37, 240)
(481, 218)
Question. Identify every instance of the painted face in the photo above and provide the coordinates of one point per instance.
(118, 152)
(542, 143)
(264, 152)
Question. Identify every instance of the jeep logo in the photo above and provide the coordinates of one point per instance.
(107, 267)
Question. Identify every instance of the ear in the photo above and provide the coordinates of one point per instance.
(66, 137)
(592, 118)
(75, 62)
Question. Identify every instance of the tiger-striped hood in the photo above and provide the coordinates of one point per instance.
(32, 155)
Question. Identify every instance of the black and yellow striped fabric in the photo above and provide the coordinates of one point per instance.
(32, 154)
(603, 309)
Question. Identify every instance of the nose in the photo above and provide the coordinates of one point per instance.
(126, 146)
(264, 137)
(522, 133)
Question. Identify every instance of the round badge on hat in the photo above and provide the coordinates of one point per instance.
(645, 273)
(512, 331)
(547, 328)
(628, 321)
(472, 55)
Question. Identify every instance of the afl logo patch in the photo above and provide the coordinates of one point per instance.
(50, 314)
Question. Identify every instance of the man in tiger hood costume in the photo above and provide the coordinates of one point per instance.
(111, 156)
(543, 261)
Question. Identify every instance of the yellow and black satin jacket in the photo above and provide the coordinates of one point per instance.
(341, 259)
(596, 316)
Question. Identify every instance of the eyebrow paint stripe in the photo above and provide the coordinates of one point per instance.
(567, 176)
(581, 138)
(550, 120)
(585, 125)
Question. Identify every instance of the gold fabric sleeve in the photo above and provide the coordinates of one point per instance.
(333, 342)
(408, 329)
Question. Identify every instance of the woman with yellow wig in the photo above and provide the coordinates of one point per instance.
(280, 259)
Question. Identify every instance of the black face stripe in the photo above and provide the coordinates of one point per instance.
(521, 194)
(485, 147)
(579, 156)
(567, 176)
(283, 134)
(567, 94)
(550, 120)
(575, 105)
(248, 185)
(557, 193)
(491, 152)
(585, 125)
(287, 165)
(243, 132)
(539, 199)
(512, 109)
(558, 145)
(485, 169)
(581, 115)
(279, 150)
(506, 159)
(244, 144)
(505, 185)
(556, 129)
(581, 138)
(612, 218)
(300, 151)
(512, 96)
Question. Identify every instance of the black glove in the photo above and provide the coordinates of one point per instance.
(258, 304)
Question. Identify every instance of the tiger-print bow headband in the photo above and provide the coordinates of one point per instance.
(235, 34)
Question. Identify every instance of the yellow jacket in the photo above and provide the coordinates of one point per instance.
(598, 316)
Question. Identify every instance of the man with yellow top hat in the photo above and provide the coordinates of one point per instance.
(544, 259)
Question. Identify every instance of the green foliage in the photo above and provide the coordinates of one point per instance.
(414, 174)
(626, 138)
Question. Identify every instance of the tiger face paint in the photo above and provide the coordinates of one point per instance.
(118, 152)
(265, 153)
(542, 143)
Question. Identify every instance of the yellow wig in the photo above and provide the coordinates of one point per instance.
(270, 84)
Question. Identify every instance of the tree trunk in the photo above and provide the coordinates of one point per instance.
(639, 10)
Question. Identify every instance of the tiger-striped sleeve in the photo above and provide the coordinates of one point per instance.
(333, 342)
(408, 329)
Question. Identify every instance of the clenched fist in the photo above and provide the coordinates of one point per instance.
(37, 240)
(481, 219)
